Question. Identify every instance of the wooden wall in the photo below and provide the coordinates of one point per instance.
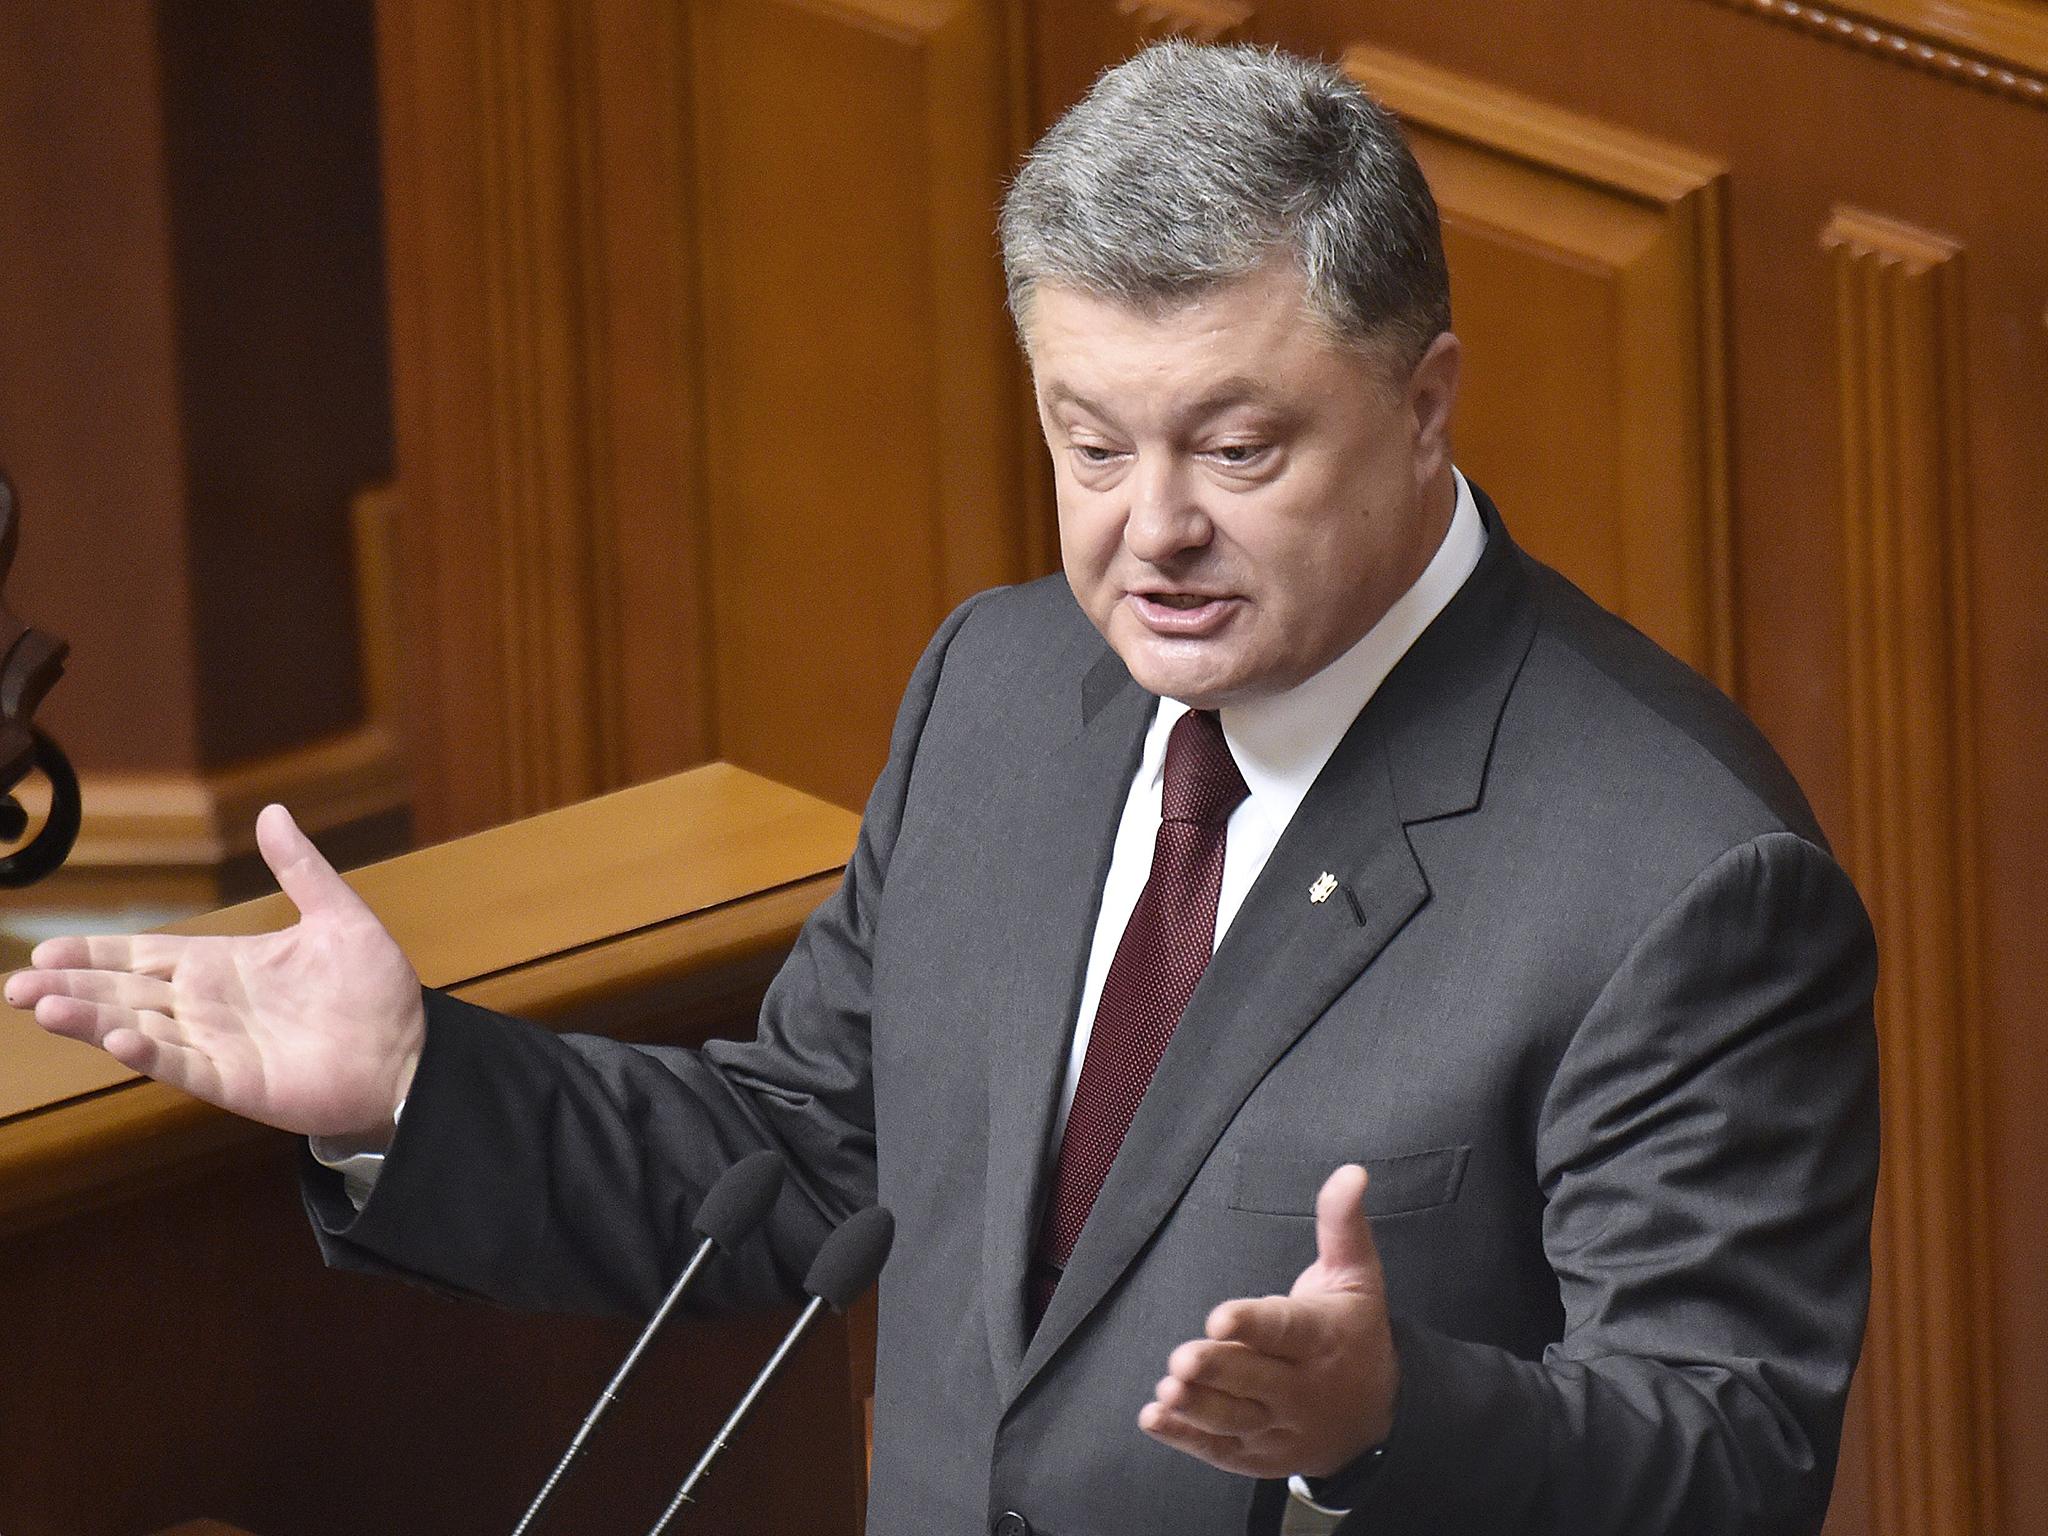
(1754, 305)
(707, 407)
(1754, 296)
(192, 393)
(706, 412)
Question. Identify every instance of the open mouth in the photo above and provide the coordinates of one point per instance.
(1188, 614)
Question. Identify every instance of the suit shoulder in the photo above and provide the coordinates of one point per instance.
(1641, 723)
(1035, 630)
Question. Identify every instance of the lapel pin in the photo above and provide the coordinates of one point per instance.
(1325, 884)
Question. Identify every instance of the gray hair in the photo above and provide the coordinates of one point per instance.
(1188, 167)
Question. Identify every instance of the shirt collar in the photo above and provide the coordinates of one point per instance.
(1281, 742)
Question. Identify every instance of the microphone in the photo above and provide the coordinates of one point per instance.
(738, 1203)
(845, 1266)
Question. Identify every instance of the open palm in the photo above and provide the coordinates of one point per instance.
(315, 1028)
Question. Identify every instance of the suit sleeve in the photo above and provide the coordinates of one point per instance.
(563, 1172)
(1707, 1151)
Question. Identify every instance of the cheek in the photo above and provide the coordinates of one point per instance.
(1088, 539)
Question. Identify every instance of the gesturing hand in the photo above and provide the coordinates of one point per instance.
(315, 1029)
(1301, 1383)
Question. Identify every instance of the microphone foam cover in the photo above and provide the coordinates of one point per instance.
(851, 1258)
(741, 1199)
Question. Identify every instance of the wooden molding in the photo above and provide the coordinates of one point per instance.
(544, 343)
(628, 912)
(194, 823)
(1993, 45)
(1898, 293)
(1597, 410)
(166, 837)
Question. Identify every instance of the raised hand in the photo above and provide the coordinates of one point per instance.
(1302, 1383)
(316, 1028)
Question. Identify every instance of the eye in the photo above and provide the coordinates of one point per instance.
(1238, 455)
(1094, 453)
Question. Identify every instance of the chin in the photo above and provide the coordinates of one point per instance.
(1197, 690)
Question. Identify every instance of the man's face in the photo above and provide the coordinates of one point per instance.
(1240, 498)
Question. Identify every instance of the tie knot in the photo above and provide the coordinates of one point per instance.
(1202, 781)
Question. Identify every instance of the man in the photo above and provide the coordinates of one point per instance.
(1509, 1166)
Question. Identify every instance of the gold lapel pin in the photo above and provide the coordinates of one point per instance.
(1321, 890)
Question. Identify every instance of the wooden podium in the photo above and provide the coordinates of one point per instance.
(175, 1349)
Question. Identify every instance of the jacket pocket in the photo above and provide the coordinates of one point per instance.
(1275, 1183)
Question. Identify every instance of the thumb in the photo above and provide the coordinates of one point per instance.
(303, 873)
(1344, 1247)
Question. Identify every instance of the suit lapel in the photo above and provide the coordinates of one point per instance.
(1062, 821)
(1283, 961)
(1418, 751)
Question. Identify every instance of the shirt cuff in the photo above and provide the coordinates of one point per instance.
(359, 1170)
(1297, 1490)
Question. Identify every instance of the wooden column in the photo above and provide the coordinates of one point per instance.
(191, 397)
(708, 409)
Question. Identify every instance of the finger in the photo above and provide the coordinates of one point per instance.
(143, 1050)
(90, 1022)
(1234, 1368)
(1169, 1428)
(1343, 1236)
(144, 954)
(1280, 1326)
(1219, 1413)
(303, 873)
(25, 989)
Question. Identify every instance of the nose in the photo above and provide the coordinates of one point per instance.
(1165, 517)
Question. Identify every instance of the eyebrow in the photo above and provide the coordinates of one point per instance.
(1236, 390)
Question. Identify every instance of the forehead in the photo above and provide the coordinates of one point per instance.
(1249, 340)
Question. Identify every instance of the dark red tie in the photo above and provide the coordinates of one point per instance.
(1163, 952)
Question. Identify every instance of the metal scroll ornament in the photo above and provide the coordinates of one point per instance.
(30, 664)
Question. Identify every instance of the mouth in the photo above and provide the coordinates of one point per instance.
(1181, 614)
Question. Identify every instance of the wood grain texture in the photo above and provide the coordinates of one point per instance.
(532, 385)
(149, 826)
(1586, 267)
(708, 406)
(187, 838)
(863, 394)
(1993, 45)
(659, 911)
(1907, 527)
(634, 898)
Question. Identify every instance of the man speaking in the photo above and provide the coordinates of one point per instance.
(1350, 1031)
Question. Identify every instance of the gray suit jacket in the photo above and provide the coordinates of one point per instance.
(1592, 1003)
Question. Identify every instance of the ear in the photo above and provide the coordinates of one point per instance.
(1431, 393)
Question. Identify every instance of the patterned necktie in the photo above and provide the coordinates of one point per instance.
(1163, 952)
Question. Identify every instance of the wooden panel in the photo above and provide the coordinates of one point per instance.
(1907, 526)
(1993, 45)
(204, 1281)
(1586, 280)
(862, 392)
(708, 409)
(186, 840)
(192, 380)
(610, 887)
(488, 131)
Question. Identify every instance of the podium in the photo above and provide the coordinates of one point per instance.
(176, 1349)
